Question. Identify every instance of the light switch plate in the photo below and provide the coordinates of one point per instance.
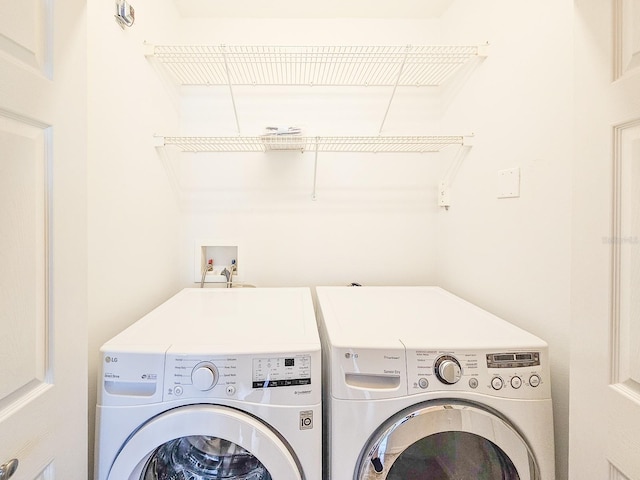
(509, 183)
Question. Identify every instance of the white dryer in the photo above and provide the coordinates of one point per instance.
(214, 383)
(421, 385)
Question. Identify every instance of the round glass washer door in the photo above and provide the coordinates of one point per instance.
(202, 457)
(204, 442)
(447, 440)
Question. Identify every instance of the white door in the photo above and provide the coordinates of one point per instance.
(605, 359)
(42, 240)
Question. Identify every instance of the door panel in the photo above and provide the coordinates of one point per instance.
(624, 393)
(623, 396)
(25, 28)
(627, 37)
(43, 239)
(605, 363)
(23, 256)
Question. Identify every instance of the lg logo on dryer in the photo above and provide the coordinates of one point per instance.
(350, 355)
(109, 359)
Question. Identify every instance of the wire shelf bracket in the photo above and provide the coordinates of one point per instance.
(445, 183)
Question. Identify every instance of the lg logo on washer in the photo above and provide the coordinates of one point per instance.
(109, 359)
(306, 419)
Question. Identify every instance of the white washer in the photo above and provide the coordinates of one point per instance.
(422, 385)
(214, 383)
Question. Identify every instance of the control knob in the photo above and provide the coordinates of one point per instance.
(447, 369)
(204, 376)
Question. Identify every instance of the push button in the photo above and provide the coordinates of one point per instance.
(497, 383)
(534, 380)
(516, 382)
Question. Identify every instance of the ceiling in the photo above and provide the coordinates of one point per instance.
(313, 9)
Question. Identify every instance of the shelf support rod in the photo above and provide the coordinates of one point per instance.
(444, 186)
(395, 87)
(233, 100)
(314, 197)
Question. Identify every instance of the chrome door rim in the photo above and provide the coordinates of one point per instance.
(422, 420)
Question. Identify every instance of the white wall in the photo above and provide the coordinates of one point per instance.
(133, 219)
(374, 218)
(512, 256)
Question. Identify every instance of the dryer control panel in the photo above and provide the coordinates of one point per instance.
(519, 374)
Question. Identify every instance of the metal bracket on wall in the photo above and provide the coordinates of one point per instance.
(230, 84)
(315, 171)
(125, 14)
(395, 87)
(444, 186)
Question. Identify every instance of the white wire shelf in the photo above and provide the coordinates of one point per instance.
(388, 66)
(367, 144)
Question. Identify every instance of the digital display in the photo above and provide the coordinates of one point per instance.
(281, 383)
(513, 360)
(269, 372)
(502, 358)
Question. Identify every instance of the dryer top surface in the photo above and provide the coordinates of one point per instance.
(416, 318)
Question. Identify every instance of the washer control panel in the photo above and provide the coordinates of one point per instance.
(517, 374)
(270, 372)
(198, 376)
(242, 377)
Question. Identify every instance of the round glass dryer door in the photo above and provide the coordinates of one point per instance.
(453, 440)
(205, 442)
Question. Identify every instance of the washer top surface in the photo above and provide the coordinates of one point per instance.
(413, 318)
(232, 320)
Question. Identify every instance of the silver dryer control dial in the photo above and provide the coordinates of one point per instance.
(204, 376)
(447, 369)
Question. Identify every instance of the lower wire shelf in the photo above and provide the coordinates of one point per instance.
(370, 144)
(337, 144)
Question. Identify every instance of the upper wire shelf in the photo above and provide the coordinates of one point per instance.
(369, 144)
(388, 66)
